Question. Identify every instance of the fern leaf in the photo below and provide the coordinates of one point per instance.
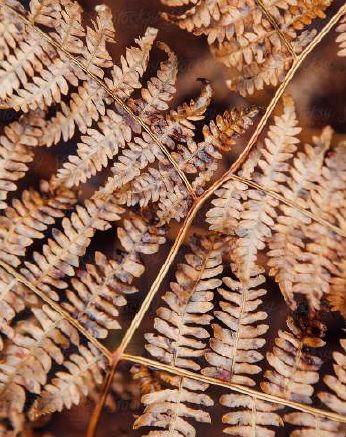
(321, 254)
(259, 209)
(60, 255)
(159, 90)
(16, 153)
(29, 358)
(18, 68)
(126, 79)
(223, 217)
(252, 417)
(234, 353)
(68, 30)
(48, 88)
(95, 56)
(84, 108)
(260, 41)
(309, 425)
(188, 302)
(289, 231)
(96, 148)
(96, 295)
(100, 289)
(294, 363)
(83, 371)
(28, 218)
(181, 340)
(336, 399)
(167, 408)
(219, 136)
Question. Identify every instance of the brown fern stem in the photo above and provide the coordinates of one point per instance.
(111, 94)
(97, 411)
(277, 28)
(234, 387)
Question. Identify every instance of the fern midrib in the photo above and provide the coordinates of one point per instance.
(58, 309)
(286, 390)
(235, 347)
(234, 387)
(110, 93)
(183, 314)
(277, 28)
(176, 410)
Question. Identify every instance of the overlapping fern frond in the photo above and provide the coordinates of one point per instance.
(278, 211)
(305, 256)
(259, 40)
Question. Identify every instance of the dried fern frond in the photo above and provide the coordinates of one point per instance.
(249, 416)
(336, 400)
(181, 338)
(16, 152)
(169, 408)
(309, 425)
(305, 256)
(286, 246)
(189, 302)
(321, 255)
(294, 362)
(254, 215)
(27, 219)
(235, 354)
(101, 288)
(28, 359)
(259, 41)
(83, 371)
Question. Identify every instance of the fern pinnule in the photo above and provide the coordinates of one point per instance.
(28, 358)
(294, 361)
(234, 350)
(259, 40)
(336, 399)
(252, 417)
(181, 338)
(27, 219)
(82, 372)
(310, 426)
(16, 152)
(101, 288)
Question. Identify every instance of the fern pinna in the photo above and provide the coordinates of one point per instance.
(135, 165)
